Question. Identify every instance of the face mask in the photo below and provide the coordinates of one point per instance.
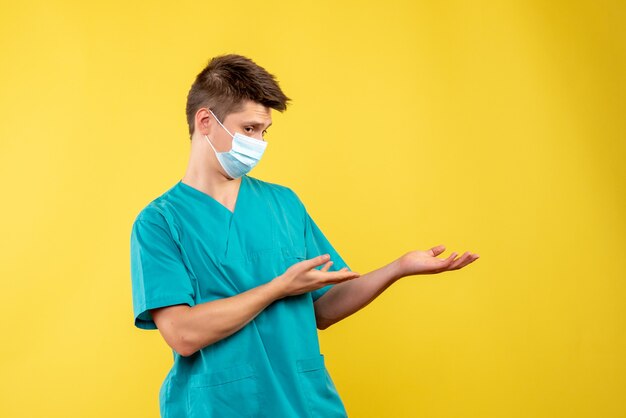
(243, 156)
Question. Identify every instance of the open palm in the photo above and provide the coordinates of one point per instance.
(426, 262)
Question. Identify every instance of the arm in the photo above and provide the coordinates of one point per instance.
(344, 299)
(188, 329)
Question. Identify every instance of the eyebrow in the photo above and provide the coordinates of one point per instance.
(256, 124)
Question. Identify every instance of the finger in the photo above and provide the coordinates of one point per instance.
(331, 275)
(460, 262)
(326, 266)
(446, 263)
(470, 259)
(435, 251)
(343, 279)
(315, 261)
(340, 276)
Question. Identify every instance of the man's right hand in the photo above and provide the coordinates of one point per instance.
(303, 277)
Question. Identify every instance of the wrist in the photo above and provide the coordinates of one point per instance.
(276, 288)
(396, 271)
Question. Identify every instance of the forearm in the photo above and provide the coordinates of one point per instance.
(344, 299)
(209, 322)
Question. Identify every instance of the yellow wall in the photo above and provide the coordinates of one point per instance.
(489, 126)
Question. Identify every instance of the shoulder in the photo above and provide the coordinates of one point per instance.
(157, 210)
(278, 191)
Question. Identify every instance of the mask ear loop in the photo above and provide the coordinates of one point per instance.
(218, 121)
(207, 140)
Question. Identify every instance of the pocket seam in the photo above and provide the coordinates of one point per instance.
(295, 251)
(310, 364)
(223, 376)
(245, 374)
(212, 385)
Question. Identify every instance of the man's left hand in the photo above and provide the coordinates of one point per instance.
(426, 262)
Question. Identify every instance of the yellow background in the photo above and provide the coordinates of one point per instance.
(488, 126)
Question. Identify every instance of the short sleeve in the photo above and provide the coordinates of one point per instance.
(317, 244)
(158, 275)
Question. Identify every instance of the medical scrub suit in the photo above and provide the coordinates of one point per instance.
(187, 248)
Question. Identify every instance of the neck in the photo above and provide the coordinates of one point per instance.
(205, 173)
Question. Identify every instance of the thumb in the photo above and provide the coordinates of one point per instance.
(437, 250)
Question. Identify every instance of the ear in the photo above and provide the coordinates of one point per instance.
(203, 123)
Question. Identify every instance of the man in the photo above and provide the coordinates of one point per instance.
(236, 275)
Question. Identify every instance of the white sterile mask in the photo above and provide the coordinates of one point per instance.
(243, 156)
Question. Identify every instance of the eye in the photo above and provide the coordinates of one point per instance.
(249, 129)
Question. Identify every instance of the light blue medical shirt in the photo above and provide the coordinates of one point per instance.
(187, 248)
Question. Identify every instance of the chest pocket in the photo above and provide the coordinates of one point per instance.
(231, 392)
(253, 269)
(293, 253)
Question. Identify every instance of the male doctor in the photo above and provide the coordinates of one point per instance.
(236, 275)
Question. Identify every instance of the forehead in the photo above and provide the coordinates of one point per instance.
(252, 112)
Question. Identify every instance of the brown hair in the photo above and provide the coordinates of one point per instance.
(226, 82)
